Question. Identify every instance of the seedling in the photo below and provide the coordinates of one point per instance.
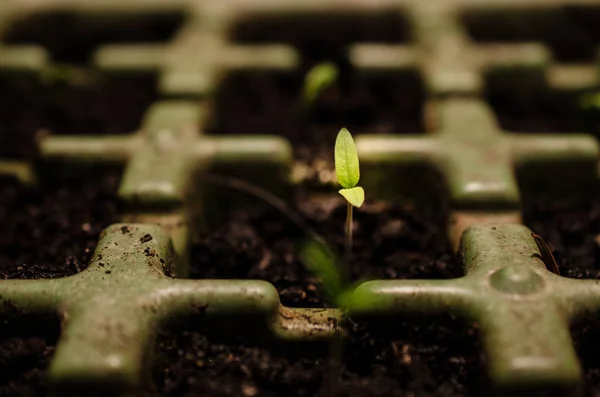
(589, 106)
(317, 80)
(347, 169)
(590, 101)
(316, 254)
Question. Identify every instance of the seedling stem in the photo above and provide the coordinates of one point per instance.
(348, 251)
(347, 169)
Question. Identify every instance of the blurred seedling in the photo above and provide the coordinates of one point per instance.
(317, 81)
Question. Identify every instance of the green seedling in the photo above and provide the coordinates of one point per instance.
(347, 169)
(317, 80)
(313, 250)
(589, 109)
(590, 101)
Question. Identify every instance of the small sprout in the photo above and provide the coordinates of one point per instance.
(590, 101)
(317, 80)
(347, 169)
(316, 254)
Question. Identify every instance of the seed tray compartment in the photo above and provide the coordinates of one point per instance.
(111, 311)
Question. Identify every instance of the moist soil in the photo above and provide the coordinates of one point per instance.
(72, 38)
(420, 357)
(71, 97)
(569, 225)
(51, 231)
(424, 356)
(571, 229)
(265, 102)
(86, 103)
(390, 242)
(27, 344)
(570, 32)
(47, 232)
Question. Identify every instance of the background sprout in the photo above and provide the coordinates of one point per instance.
(347, 169)
(317, 80)
(590, 100)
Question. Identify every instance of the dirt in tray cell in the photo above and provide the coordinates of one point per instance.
(390, 242)
(585, 332)
(419, 357)
(571, 228)
(322, 36)
(27, 344)
(86, 104)
(71, 38)
(268, 103)
(571, 32)
(52, 231)
(538, 109)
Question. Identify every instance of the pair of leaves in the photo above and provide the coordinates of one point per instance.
(347, 168)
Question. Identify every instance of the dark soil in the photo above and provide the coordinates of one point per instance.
(522, 103)
(47, 232)
(585, 334)
(390, 242)
(320, 37)
(52, 231)
(571, 32)
(72, 38)
(570, 227)
(538, 110)
(87, 104)
(267, 102)
(419, 357)
(27, 344)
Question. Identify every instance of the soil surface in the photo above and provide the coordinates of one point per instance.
(420, 357)
(47, 232)
(570, 228)
(390, 242)
(88, 103)
(52, 231)
(571, 32)
(428, 357)
(321, 37)
(266, 103)
(72, 38)
(27, 344)
(364, 102)
(585, 333)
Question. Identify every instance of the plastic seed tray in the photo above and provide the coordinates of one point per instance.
(111, 311)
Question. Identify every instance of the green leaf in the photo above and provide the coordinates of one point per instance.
(347, 167)
(320, 259)
(590, 101)
(355, 195)
(318, 79)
